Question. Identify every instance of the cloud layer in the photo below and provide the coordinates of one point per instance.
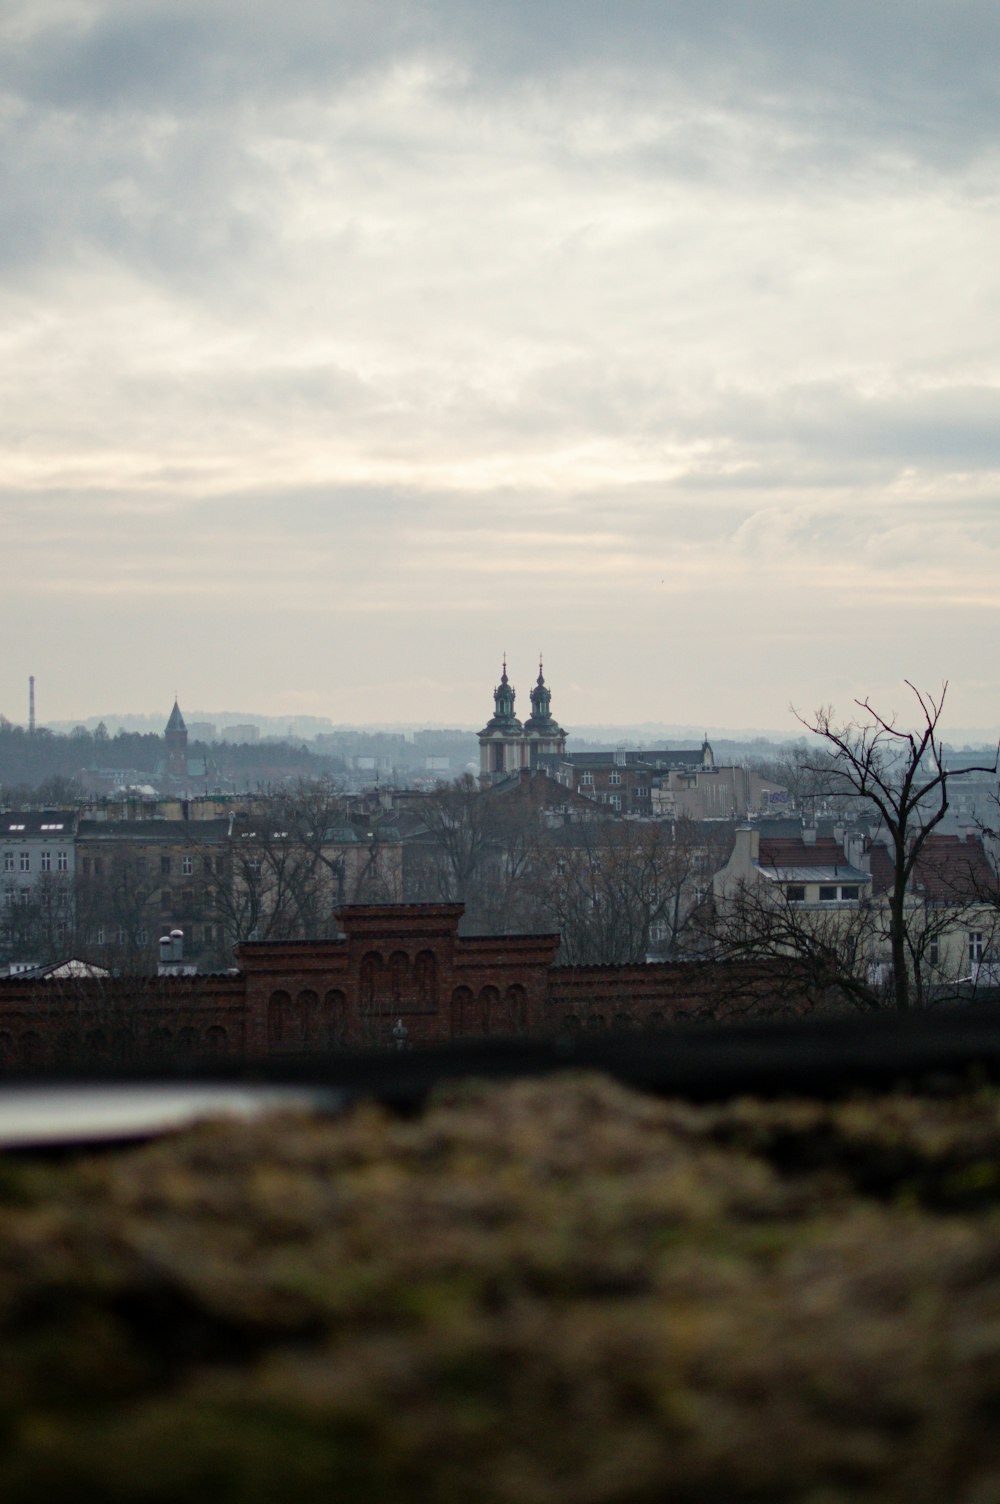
(344, 347)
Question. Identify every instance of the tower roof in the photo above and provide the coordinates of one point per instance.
(540, 722)
(503, 718)
(176, 721)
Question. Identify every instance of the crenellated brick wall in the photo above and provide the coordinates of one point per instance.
(394, 968)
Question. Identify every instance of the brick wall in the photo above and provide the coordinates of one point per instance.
(395, 966)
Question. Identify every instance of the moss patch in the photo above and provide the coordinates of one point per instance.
(544, 1291)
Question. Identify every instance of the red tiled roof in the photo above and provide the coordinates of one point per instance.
(952, 868)
(786, 851)
(949, 869)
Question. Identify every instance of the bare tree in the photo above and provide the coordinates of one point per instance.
(277, 888)
(461, 822)
(35, 923)
(609, 885)
(835, 949)
(903, 774)
(296, 859)
(806, 776)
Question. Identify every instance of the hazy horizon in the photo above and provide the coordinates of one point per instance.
(346, 348)
(644, 731)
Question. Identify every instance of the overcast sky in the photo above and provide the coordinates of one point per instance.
(348, 345)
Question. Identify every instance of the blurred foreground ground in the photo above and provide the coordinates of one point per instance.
(550, 1290)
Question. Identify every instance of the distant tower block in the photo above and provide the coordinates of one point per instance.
(31, 703)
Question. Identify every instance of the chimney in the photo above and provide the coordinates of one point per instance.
(854, 851)
(172, 954)
(746, 852)
(31, 705)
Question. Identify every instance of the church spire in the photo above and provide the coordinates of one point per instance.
(503, 703)
(541, 703)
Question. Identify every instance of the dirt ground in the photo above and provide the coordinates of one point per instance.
(554, 1291)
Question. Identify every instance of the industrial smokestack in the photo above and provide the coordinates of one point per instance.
(31, 703)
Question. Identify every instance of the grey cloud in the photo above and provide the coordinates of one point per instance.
(824, 432)
(162, 201)
(172, 54)
(920, 75)
(831, 434)
(135, 136)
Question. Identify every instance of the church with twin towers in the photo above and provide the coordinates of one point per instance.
(505, 745)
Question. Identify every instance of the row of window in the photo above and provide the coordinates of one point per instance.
(193, 935)
(94, 866)
(587, 781)
(186, 900)
(828, 892)
(976, 942)
(45, 861)
(24, 896)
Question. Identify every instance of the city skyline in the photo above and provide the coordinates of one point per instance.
(341, 356)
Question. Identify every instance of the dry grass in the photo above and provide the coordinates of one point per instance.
(551, 1292)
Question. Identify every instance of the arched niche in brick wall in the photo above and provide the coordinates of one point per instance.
(279, 1010)
(489, 1008)
(335, 1016)
(399, 975)
(370, 978)
(516, 1007)
(461, 1011)
(295, 1022)
(306, 1024)
(425, 979)
(215, 1040)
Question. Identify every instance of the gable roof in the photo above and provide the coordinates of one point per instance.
(949, 869)
(791, 851)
